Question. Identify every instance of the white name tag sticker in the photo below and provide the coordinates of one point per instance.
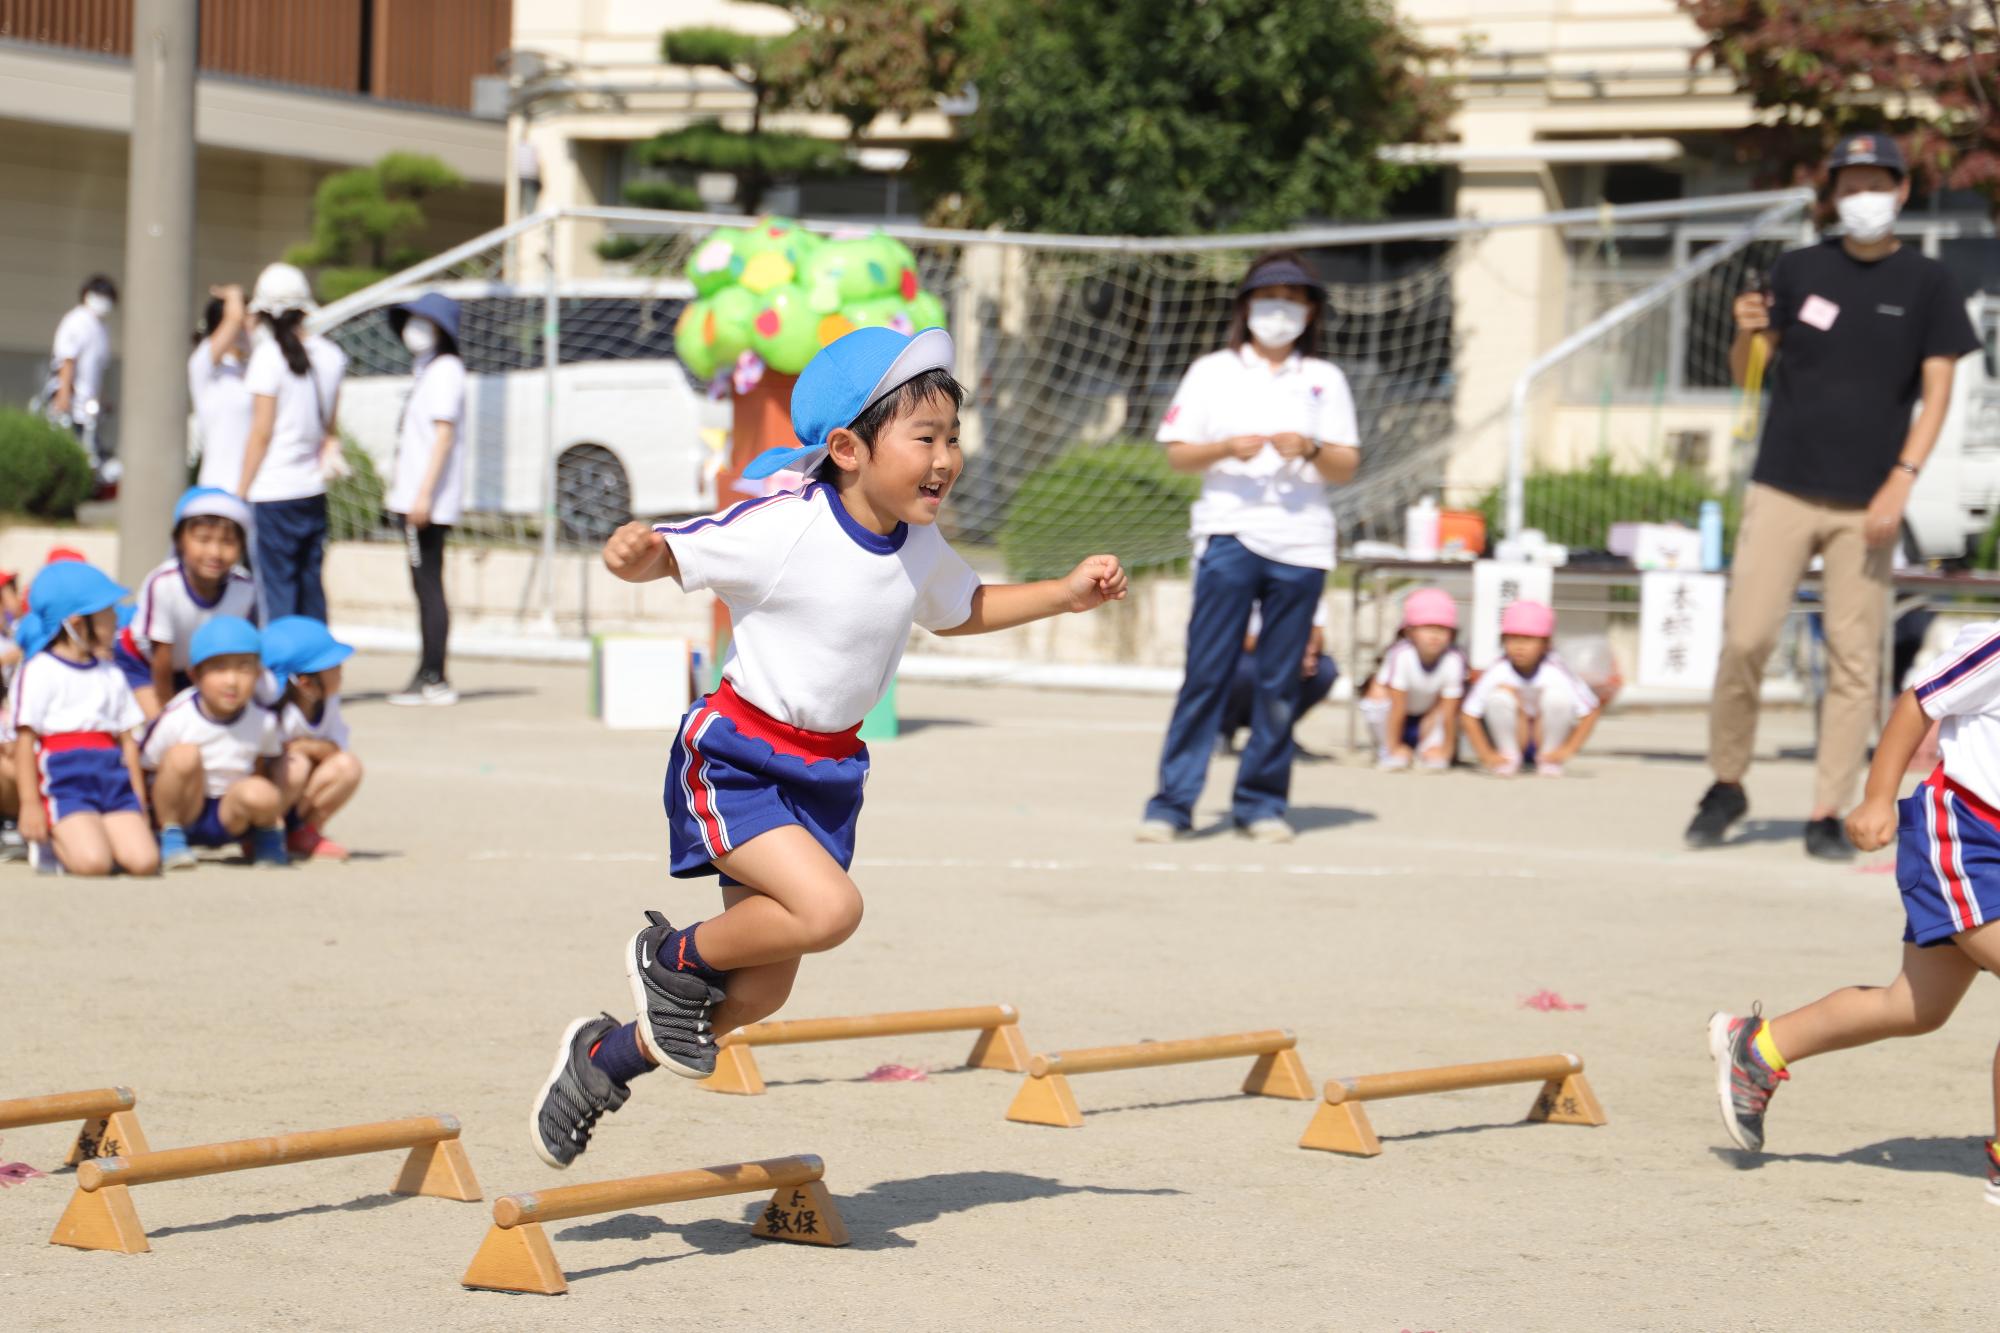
(1819, 312)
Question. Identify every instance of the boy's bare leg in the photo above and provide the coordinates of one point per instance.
(803, 903)
(755, 993)
(132, 844)
(1919, 1000)
(179, 785)
(254, 802)
(81, 844)
(333, 783)
(294, 772)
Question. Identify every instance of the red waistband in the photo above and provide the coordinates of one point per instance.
(1964, 796)
(783, 736)
(78, 740)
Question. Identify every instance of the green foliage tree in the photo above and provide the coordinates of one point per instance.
(1927, 71)
(1143, 118)
(366, 221)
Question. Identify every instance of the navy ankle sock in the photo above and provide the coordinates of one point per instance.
(678, 954)
(619, 1056)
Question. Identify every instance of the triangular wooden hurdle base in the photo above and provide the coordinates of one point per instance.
(105, 1218)
(520, 1258)
(1047, 1099)
(1343, 1126)
(1000, 1045)
(114, 1135)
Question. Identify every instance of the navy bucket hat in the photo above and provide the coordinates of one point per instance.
(1282, 272)
(436, 307)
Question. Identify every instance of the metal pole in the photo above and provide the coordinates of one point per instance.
(159, 280)
(551, 358)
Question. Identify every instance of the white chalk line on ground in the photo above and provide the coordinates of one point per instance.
(1050, 866)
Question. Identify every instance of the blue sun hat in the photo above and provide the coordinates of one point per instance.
(221, 637)
(211, 502)
(436, 307)
(847, 377)
(28, 633)
(300, 645)
(65, 589)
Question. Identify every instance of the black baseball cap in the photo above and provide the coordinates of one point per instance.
(1873, 149)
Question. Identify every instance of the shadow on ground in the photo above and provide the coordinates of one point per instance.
(360, 1205)
(1944, 1156)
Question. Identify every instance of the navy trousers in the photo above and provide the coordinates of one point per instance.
(291, 541)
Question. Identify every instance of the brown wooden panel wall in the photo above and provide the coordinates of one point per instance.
(422, 51)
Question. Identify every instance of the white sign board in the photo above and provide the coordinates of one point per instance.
(1496, 584)
(1680, 629)
(642, 683)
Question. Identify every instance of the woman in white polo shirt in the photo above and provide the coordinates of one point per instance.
(294, 445)
(426, 492)
(216, 386)
(1269, 425)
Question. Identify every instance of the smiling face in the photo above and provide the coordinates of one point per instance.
(209, 548)
(905, 476)
(226, 682)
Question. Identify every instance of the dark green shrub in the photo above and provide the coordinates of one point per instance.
(616, 248)
(1120, 498)
(1577, 508)
(43, 470)
(354, 503)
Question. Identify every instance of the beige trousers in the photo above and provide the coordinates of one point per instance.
(1779, 536)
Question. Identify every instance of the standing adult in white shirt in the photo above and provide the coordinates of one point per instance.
(217, 388)
(79, 359)
(427, 488)
(1269, 425)
(294, 443)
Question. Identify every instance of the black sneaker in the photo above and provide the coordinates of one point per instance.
(1721, 805)
(673, 1006)
(1827, 841)
(577, 1092)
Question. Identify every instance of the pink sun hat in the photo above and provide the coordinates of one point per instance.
(1430, 606)
(1532, 619)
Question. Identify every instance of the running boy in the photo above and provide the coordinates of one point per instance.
(1529, 707)
(1948, 866)
(201, 581)
(765, 782)
(75, 763)
(320, 773)
(214, 753)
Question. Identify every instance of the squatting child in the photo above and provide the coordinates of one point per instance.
(320, 773)
(765, 782)
(1947, 835)
(214, 753)
(1529, 707)
(1412, 701)
(76, 765)
(200, 581)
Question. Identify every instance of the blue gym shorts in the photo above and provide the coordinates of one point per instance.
(737, 772)
(83, 772)
(1947, 860)
(207, 829)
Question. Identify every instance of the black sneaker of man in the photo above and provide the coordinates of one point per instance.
(576, 1094)
(674, 1006)
(1827, 841)
(1721, 805)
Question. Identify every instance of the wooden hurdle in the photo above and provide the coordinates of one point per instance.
(110, 1122)
(515, 1256)
(100, 1215)
(1045, 1098)
(999, 1045)
(1340, 1125)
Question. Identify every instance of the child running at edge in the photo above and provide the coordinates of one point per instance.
(1947, 835)
(765, 783)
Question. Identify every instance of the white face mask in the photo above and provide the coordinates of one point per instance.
(1275, 322)
(1868, 216)
(98, 304)
(420, 336)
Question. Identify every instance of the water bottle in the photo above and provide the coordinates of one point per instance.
(1711, 535)
(1420, 530)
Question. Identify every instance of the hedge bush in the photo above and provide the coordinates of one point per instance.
(1119, 497)
(43, 470)
(354, 503)
(1577, 508)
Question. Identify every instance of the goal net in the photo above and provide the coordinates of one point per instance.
(584, 410)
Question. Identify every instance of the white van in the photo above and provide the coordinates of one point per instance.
(1958, 493)
(628, 419)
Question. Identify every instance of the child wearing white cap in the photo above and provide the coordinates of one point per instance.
(202, 580)
(764, 787)
(1528, 707)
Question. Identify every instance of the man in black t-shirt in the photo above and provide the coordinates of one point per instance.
(1859, 329)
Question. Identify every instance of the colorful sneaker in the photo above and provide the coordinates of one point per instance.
(576, 1094)
(306, 843)
(267, 847)
(1743, 1083)
(1993, 1171)
(674, 1007)
(175, 854)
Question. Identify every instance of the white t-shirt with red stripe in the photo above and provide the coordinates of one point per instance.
(56, 696)
(170, 611)
(1403, 669)
(1553, 674)
(820, 607)
(1961, 691)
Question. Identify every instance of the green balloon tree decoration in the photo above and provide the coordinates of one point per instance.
(780, 293)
